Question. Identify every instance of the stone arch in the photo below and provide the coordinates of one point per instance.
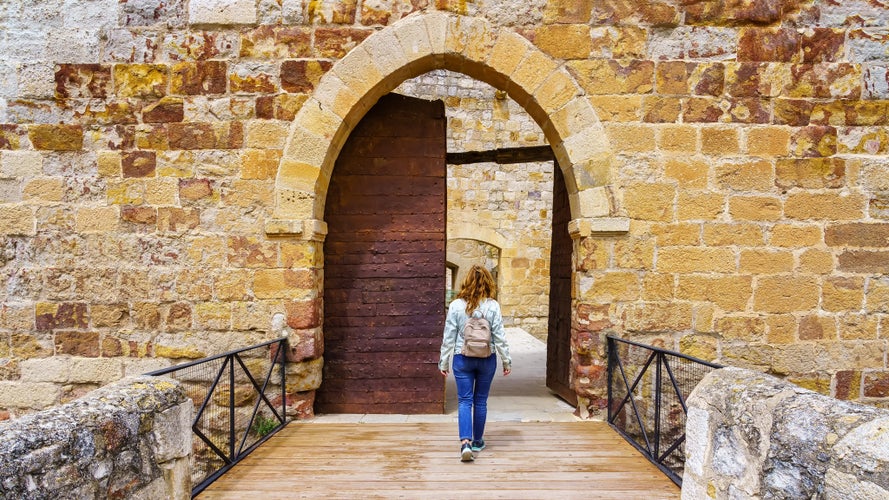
(438, 40)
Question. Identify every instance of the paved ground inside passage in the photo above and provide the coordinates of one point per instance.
(520, 397)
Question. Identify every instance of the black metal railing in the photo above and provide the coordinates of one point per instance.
(647, 389)
(240, 401)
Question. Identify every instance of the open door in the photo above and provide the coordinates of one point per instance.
(558, 341)
(384, 272)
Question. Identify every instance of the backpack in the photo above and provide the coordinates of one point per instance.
(476, 337)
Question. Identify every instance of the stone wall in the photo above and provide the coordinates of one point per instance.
(755, 436)
(162, 183)
(131, 439)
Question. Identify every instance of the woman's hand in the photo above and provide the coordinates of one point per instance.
(507, 370)
(444, 373)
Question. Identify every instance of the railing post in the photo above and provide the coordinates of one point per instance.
(281, 347)
(657, 404)
(609, 344)
(231, 406)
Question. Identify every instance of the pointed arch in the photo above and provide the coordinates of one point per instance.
(438, 40)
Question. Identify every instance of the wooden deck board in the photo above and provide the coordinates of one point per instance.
(522, 460)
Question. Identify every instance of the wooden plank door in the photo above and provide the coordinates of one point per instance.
(384, 272)
(558, 340)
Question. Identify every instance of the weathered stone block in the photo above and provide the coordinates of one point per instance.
(225, 12)
(658, 317)
(719, 141)
(305, 376)
(678, 138)
(755, 208)
(600, 76)
(199, 78)
(737, 234)
(857, 235)
(282, 283)
(20, 164)
(168, 109)
(731, 293)
(650, 201)
(699, 206)
(825, 206)
(141, 80)
(764, 44)
(760, 261)
(56, 137)
(768, 141)
(783, 294)
(565, 41)
(17, 220)
(97, 220)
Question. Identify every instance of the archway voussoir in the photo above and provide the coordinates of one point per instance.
(575, 116)
(437, 30)
(292, 204)
(335, 95)
(508, 51)
(594, 172)
(556, 91)
(533, 70)
(298, 175)
(413, 38)
(305, 146)
(319, 120)
(379, 48)
(358, 70)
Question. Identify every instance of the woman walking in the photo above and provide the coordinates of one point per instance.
(473, 374)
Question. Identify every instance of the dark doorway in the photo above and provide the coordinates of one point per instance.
(558, 340)
(384, 283)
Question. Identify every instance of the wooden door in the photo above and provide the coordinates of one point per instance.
(558, 340)
(384, 272)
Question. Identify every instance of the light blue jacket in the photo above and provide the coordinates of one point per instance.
(453, 331)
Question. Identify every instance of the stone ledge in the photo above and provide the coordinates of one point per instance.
(116, 442)
(752, 435)
(308, 229)
(598, 226)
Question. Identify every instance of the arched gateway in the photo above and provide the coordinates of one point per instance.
(437, 40)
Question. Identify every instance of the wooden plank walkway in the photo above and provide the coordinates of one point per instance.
(421, 460)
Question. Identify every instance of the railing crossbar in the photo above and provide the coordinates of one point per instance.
(629, 396)
(260, 399)
(200, 412)
(212, 445)
(668, 427)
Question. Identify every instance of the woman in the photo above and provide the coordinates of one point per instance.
(473, 375)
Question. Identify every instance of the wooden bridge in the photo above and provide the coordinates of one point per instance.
(421, 460)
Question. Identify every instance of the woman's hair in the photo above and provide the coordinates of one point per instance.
(477, 285)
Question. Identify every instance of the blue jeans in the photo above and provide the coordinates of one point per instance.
(474, 377)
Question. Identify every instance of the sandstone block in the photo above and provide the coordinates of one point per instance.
(750, 176)
(141, 80)
(688, 173)
(738, 234)
(863, 261)
(138, 164)
(177, 220)
(814, 173)
(649, 201)
(696, 260)
(17, 220)
(556, 91)
(622, 108)
(784, 294)
(98, 370)
(768, 141)
(719, 141)
(199, 78)
(56, 137)
(213, 316)
(678, 139)
(730, 293)
(245, 251)
(161, 191)
(305, 376)
(657, 287)
(35, 395)
(165, 110)
(614, 286)
(876, 384)
(45, 189)
(766, 261)
(259, 164)
(699, 346)
(565, 41)
(741, 327)
(110, 163)
(125, 192)
(224, 12)
(658, 317)
(658, 109)
(699, 206)
(282, 283)
(98, 220)
(825, 206)
(857, 235)
(265, 135)
(858, 327)
(682, 234)
(782, 329)
(755, 208)
(602, 76)
(842, 294)
(20, 164)
(814, 327)
(195, 189)
(795, 236)
(567, 11)
(85, 344)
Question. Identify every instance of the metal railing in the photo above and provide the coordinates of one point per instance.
(240, 401)
(647, 389)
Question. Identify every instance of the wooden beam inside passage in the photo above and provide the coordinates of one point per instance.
(503, 156)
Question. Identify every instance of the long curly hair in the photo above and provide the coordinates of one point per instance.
(477, 285)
